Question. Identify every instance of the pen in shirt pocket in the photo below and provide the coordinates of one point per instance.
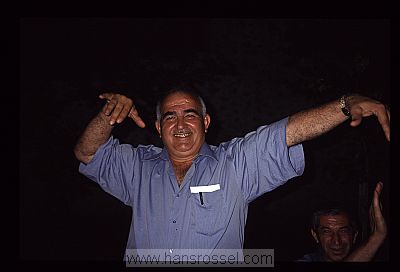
(201, 198)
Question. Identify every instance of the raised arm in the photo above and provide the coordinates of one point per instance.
(99, 129)
(312, 123)
(368, 249)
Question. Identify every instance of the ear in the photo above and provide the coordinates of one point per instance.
(207, 121)
(355, 237)
(315, 236)
(158, 127)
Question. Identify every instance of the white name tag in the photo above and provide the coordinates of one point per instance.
(204, 189)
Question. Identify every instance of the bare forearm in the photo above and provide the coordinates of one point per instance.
(309, 124)
(96, 133)
(367, 251)
(117, 108)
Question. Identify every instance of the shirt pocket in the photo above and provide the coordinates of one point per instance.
(208, 214)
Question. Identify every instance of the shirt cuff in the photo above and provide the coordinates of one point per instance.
(296, 157)
(90, 168)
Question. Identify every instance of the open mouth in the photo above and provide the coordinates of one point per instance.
(337, 251)
(182, 135)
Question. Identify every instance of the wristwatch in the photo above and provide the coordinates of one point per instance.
(344, 106)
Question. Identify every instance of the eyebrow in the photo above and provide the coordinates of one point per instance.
(324, 228)
(328, 228)
(345, 227)
(192, 110)
(184, 111)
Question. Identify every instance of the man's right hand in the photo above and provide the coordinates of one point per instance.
(119, 107)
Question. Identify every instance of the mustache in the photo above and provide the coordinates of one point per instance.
(181, 131)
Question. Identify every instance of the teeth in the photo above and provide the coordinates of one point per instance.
(181, 135)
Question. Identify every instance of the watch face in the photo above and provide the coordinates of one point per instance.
(343, 106)
(346, 112)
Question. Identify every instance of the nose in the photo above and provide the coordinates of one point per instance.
(336, 239)
(180, 122)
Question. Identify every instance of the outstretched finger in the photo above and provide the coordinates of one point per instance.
(372, 220)
(383, 116)
(385, 126)
(123, 113)
(384, 120)
(133, 113)
(107, 96)
(379, 220)
(117, 112)
(377, 193)
(109, 107)
(388, 111)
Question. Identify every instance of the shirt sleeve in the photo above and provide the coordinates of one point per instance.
(264, 161)
(112, 168)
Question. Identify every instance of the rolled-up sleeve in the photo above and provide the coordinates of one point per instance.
(112, 168)
(266, 160)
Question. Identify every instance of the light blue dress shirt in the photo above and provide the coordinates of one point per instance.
(166, 216)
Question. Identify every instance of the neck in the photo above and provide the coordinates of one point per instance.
(180, 169)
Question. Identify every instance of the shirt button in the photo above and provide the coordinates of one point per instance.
(177, 195)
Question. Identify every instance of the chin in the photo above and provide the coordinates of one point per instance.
(183, 150)
(337, 258)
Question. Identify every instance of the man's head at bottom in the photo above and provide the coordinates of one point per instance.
(336, 233)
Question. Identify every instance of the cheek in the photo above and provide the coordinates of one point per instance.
(324, 241)
(347, 239)
(198, 126)
(165, 128)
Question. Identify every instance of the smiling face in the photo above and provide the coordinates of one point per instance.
(182, 126)
(335, 236)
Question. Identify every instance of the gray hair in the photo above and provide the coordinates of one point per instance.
(158, 107)
(332, 211)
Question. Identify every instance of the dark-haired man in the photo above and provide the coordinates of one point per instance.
(335, 232)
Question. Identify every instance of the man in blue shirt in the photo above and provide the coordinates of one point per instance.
(191, 195)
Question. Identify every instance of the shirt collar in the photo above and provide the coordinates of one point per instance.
(205, 150)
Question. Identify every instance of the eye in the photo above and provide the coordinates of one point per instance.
(190, 116)
(169, 117)
(326, 231)
(345, 231)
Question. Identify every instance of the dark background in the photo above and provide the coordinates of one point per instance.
(250, 72)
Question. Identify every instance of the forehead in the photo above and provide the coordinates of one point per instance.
(179, 100)
(334, 221)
